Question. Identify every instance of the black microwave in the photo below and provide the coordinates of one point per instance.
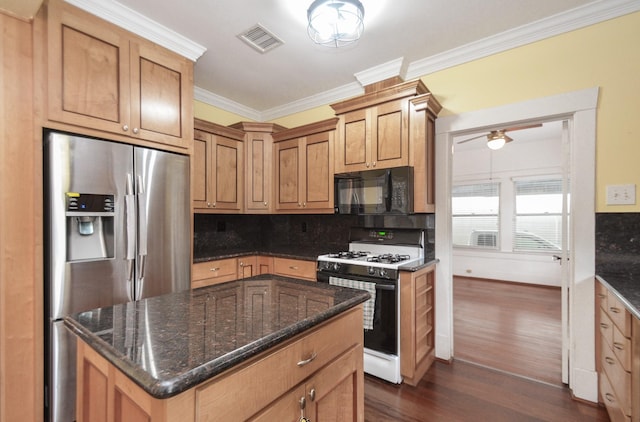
(385, 191)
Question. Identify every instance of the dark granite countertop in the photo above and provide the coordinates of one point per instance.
(621, 273)
(168, 344)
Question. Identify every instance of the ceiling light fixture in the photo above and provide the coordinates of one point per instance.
(335, 23)
(497, 138)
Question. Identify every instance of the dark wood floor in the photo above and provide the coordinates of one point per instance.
(462, 391)
(509, 326)
(496, 326)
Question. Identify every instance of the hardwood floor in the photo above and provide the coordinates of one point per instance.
(496, 325)
(462, 391)
(507, 326)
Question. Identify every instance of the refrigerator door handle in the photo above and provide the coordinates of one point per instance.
(142, 234)
(130, 217)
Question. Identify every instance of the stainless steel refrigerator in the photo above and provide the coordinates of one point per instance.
(117, 229)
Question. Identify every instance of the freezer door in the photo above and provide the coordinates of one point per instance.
(85, 265)
(62, 368)
(164, 222)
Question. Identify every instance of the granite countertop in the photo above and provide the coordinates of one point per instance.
(621, 273)
(170, 343)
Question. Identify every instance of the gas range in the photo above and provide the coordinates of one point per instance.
(377, 253)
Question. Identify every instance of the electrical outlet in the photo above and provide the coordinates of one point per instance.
(621, 194)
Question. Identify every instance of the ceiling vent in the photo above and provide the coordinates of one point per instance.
(260, 39)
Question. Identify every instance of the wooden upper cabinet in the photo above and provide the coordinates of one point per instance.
(372, 138)
(303, 172)
(104, 78)
(218, 156)
(392, 125)
(258, 144)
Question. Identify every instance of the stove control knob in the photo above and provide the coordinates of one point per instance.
(371, 270)
(383, 272)
(336, 266)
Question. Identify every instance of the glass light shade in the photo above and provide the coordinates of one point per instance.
(335, 23)
(496, 143)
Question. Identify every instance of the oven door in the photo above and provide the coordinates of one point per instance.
(383, 337)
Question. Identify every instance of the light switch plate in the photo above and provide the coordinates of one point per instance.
(621, 194)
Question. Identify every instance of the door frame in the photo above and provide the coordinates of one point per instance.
(579, 108)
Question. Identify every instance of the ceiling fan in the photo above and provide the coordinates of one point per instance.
(496, 139)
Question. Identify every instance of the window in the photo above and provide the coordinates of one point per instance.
(538, 215)
(475, 212)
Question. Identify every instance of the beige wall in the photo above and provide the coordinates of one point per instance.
(603, 55)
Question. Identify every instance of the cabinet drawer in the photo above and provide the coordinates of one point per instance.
(253, 386)
(611, 401)
(620, 380)
(619, 314)
(295, 268)
(621, 347)
(606, 327)
(211, 272)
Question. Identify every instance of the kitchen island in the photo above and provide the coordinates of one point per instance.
(264, 348)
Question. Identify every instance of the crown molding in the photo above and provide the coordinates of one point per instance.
(577, 18)
(134, 22)
(381, 72)
(226, 104)
(561, 23)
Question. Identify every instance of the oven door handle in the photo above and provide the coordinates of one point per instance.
(385, 286)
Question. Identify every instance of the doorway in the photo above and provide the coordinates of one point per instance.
(509, 218)
(579, 109)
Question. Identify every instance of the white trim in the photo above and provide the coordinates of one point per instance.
(126, 18)
(580, 108)
(580, 17)
(381, 72)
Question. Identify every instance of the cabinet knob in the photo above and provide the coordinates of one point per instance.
(265, 203)
(312, 394)
(304, 204)
(367, 165)
(136, 130)
(374, 164)
(125, 128)
(213, 205)
(303, 402)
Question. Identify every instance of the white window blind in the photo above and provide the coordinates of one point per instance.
(475, 215)
(538, 215)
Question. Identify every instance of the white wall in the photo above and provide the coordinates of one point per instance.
(533, 152)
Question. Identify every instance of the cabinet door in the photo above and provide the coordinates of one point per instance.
(161, 86)
(333, 393)
(288, 173)
(265, 264)
(201, 161)
(226, 165)
(88, 71)
(247, 266)
(213, 272)
(354, 147)
(318, 171)
(259, 163)
(390, 134)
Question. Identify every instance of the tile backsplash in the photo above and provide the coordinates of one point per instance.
(216, 233)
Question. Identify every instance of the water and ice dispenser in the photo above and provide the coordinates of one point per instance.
(90, 226)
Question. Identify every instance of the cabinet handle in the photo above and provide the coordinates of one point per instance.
(307, 361)
(303, 403)
(618, 346)
(125, 128)
(242, 264)
(601, 296)
(265, 203)
(614, 310)
(374, 164)
(604, 325)
(136, 130)
(367, 165)
(214, 269)
(609, 360)
(312, 394)
(304, 204)
(610, 397)
(214, 205)
(293, 267)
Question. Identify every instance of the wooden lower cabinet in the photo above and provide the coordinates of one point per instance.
(417, 323)
(247, 266)
(618, 360)
(317, 374)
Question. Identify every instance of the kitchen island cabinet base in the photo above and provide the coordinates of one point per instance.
(323, 365)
